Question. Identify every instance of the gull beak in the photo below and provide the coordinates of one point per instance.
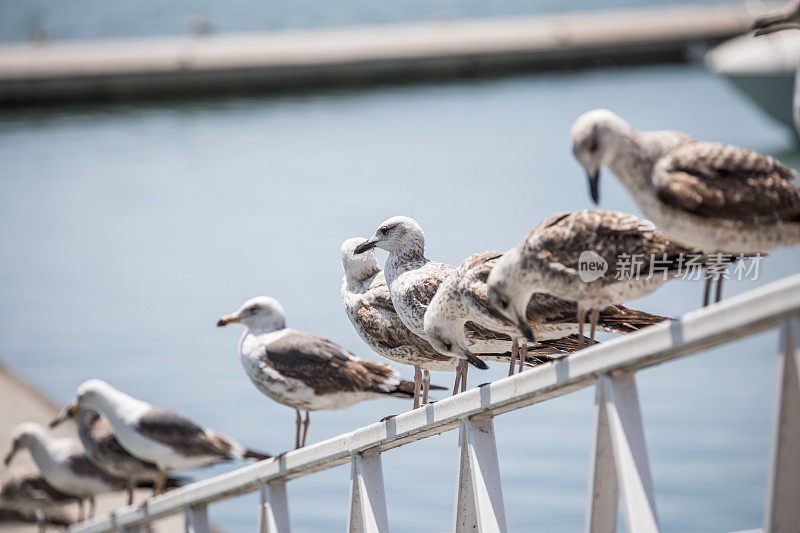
(473, 359)
(228, 319)
(10, 456)
(594, 180)
(69, 412)
(365, 246)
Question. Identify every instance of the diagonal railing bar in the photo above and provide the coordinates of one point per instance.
(740, 316)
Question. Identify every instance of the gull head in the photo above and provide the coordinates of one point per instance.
(88, 396)
(508, 292)
(395, 234)
(594, 138)
(358, 266)
(24, 436)
(261, 312)
(444, 332)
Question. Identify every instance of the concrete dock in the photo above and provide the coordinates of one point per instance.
(238, 63)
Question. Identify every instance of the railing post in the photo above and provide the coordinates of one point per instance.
(367, 512)
(782, 511)
(274, 515)
(197, 519)
(601, 515)
(479, 492)
(618, 426)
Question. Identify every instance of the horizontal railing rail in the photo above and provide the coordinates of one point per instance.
(619, 467)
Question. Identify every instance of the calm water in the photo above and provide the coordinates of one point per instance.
(92, 19)
(128, 230)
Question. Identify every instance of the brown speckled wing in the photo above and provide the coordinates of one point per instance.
(472, 275)
(721, 181)
(324, 366)
(558, 241)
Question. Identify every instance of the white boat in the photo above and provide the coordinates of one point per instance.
(764, 69)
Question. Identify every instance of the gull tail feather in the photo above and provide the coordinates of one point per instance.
(172, 482)
(405, 389)
(620, 319)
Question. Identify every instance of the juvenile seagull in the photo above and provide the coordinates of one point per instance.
(412, 278)
(306, 372)
(706, 195)
(464, 297)
(156, 435)
(547, 261)
(63, 464)
(104, 450)
(369, 307)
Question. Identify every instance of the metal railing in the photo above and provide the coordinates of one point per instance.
(619, 468)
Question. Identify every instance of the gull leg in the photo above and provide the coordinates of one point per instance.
(719, 288)
(458, 376)
(41, 520)
(417, 384)
(426, 385)
(161, 482)
(91, 506)
(707, 293)
(464, 376)
(80, 510)
(305, 427)
(581, 321)
(297, 421)
(514, 352)
(523, 354)
(593, 318)
(131, 485)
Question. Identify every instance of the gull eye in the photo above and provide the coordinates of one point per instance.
(252, 308)
(503, 303)
(448, 346)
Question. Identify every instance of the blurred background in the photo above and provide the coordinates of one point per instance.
(129, 225)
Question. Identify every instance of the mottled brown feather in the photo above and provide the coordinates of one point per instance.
(720, 181)
(557, 242)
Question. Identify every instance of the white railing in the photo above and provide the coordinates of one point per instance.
(619, 468)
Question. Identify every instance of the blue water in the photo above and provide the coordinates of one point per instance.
(93, 19)
(127, 230)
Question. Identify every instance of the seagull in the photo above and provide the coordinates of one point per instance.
(31, 493)
(368, 305)
(63, 464)
(547, 261)
(304, 371)
(412, 278)
(104, 450)
(155, 435)
(464, 297)
(706, 195)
